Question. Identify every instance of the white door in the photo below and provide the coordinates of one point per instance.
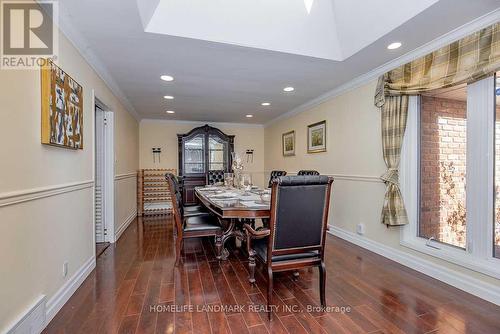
(100, 214)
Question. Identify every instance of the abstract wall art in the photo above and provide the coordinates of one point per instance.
(62, 108)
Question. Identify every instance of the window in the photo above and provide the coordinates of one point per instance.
(443, 160)
(496, 229)
(450, 175)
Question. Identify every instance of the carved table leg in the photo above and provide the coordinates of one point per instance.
(251, 258)
(228, 233)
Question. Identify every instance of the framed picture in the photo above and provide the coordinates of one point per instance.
(288, 143)
(316, 137)
(62, 108)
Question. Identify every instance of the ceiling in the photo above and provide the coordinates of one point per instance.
(314, 46)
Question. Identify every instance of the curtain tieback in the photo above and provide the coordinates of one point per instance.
(391, 176)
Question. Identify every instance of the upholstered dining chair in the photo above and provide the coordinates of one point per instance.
(204, 225)
(275, 174)
(187, 211)
(297, 229)
(307, 172)
(215, 176)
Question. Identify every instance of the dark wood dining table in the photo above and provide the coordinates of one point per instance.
(234, 207)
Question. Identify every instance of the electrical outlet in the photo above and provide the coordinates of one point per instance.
(360, 229)
(65, 269)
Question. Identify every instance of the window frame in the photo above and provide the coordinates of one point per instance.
(478, 254)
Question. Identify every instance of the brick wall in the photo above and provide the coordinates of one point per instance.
(442, 163)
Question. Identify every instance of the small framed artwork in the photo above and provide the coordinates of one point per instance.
(288, 143)
(62, 108)
(316, 137)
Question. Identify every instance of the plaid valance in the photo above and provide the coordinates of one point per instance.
(466, 60)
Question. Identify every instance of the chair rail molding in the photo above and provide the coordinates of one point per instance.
(16, 197)
(345, 177)
(125, 176)
(454, 278)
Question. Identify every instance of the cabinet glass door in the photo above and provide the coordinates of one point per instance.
(218, 153)
(194, 155)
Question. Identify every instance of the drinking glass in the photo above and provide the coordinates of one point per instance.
(246, 180)
(228, 180)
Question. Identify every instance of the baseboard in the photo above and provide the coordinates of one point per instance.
(31, 321)
(456, 279)
(125, 224)
(68, 289)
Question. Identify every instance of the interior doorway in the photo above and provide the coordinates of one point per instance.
(103, 177)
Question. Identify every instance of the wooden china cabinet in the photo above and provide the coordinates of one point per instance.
(202, 149)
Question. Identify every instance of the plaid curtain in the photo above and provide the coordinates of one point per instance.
(467, 60)
(394, 115)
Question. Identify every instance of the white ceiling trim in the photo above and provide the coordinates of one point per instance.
(215, 124)
(445, 39)
(79, 42)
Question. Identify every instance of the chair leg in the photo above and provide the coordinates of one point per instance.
(322, 282)
(269, 292)
(251, 265)
(218, 246)
(178, 249)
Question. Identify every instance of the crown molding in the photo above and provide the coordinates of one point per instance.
(456, 34)
(171, 121)
(79, 42)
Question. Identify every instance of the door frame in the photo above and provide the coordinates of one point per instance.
(109, 170)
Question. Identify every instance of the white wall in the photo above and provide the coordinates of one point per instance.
(163, 134)
(46, 193)
(354, 158)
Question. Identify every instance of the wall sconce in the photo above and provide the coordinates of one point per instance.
(249, 155)
(156, 152)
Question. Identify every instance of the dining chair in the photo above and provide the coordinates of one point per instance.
(196, 226)
(307, 172)
(275, 174)
(297, 228)
(215, 176)
(191, 210)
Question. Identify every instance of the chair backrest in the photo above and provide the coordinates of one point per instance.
(299, 214)
(275, 174)
(307, 172)
(175, 197)
(215, 176)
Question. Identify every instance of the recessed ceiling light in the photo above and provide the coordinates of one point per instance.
(249, 116)
(288, 89)
(168, 97)
(266, 103)
(167, 78)
(170, 112)
(394, 45)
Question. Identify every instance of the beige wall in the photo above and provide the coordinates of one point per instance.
(163, 134)
(354, 157)
(38, 234)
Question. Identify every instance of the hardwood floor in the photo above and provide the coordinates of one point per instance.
(100, 247)
(135, 283)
